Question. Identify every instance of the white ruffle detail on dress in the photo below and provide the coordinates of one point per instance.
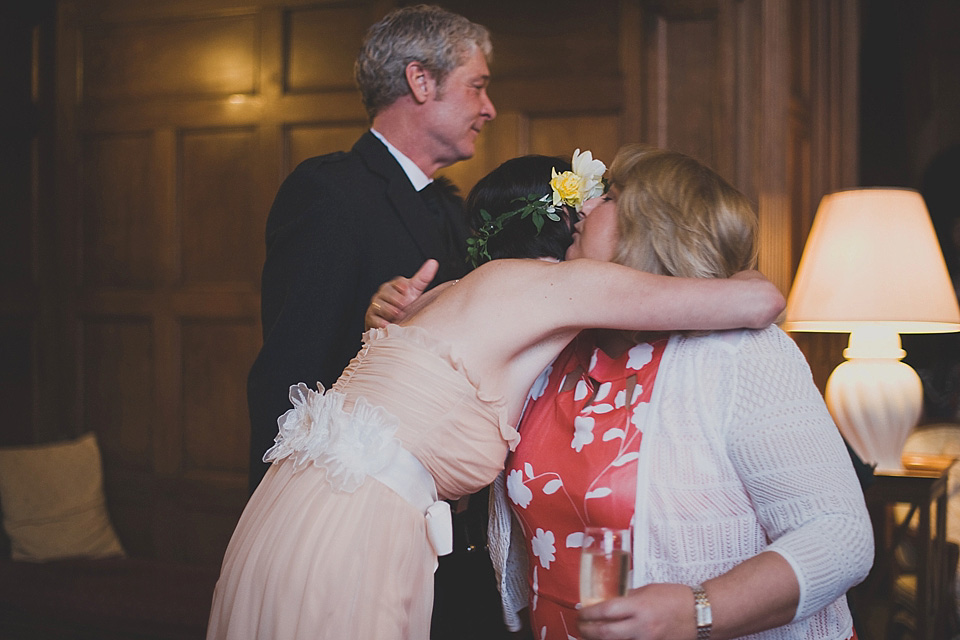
(348, 446)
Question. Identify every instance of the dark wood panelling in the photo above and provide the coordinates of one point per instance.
(217, 355)
(565, 40)
(170, 58)
(29, 293)
(686, 55)
(193, 111)
(120, 218)
(16, 388)
(560, 136)
(217, 200)
(118, 388)
(542, 95)
(322, 43)
(308, 140)
(18, 209)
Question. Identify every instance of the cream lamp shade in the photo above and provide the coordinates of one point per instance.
(872, 267)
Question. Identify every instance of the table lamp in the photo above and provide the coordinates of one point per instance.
(872, 267)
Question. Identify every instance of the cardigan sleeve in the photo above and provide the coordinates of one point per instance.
(507, 550)
(794, 465)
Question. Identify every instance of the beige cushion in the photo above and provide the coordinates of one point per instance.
(52, 501)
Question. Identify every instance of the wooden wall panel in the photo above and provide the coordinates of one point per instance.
(307, 140)
(682, 56)
(562, 40)
(192, 57)
(17, 277)
(192, 112)
(118, 385)
(28, 292)
(217, 354)
(120, 222)
(217, 207)
(18, 209)
(322, 43)
(16, 389)
(561, 135)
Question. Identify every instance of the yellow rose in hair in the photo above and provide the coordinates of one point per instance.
(566, 189)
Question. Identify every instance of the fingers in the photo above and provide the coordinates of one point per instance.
(424, 276)
(608, 620)
(749, 274)
(389, 303)
(384, 307)
(613, 609)
(382, 311)
(374, 318)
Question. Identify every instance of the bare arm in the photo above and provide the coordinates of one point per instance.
(586, 293)
(513, 316)
(760, 593)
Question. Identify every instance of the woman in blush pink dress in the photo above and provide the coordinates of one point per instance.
(341, 538)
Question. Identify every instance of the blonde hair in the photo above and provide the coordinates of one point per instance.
(678, 217)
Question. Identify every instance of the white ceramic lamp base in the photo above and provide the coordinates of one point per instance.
(875, 399)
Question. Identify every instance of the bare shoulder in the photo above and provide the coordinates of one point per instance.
(500, 293)
(503, 278)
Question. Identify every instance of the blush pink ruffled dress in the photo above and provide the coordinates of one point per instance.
(325, 549)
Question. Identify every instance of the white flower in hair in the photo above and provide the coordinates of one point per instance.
(570, 188)
(575, 187)
(591, 174)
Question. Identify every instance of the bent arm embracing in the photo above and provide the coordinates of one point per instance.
(592, 294)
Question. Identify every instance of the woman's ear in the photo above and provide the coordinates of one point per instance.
(421, 83)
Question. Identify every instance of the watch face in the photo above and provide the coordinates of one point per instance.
(704, 616)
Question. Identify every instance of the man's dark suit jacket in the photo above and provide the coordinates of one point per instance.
(340, 226)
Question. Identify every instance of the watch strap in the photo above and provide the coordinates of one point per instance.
(704, 615)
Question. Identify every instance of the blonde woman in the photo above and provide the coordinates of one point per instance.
(715, 449)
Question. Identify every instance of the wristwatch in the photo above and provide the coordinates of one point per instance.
(704, 617)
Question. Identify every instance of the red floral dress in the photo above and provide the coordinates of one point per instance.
(576, 466)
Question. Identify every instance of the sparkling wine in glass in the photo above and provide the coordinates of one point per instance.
(604, 564)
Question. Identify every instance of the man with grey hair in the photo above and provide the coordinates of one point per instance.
(345, 222)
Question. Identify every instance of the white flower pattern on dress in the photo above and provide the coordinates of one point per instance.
(639, 415)
(582, 432)
(544, 547)
(581, 390)
(518, 492)
(552, 487)
(536, 586)
(540, 384)
(621, 399)
(639, 356)
(575, 540)
(602, 406)
(599, 492)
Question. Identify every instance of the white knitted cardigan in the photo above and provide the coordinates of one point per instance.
(739, 455)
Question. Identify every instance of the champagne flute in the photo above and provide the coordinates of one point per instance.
(604, 564)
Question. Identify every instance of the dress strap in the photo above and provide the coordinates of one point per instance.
(407, 476)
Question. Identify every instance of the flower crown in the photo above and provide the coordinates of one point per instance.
(570, 188)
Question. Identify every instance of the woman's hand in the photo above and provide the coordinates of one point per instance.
(651, 612)
(391, 301)
(760, 593)
(773, 302)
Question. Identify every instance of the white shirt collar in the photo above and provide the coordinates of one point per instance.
(417, 177)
